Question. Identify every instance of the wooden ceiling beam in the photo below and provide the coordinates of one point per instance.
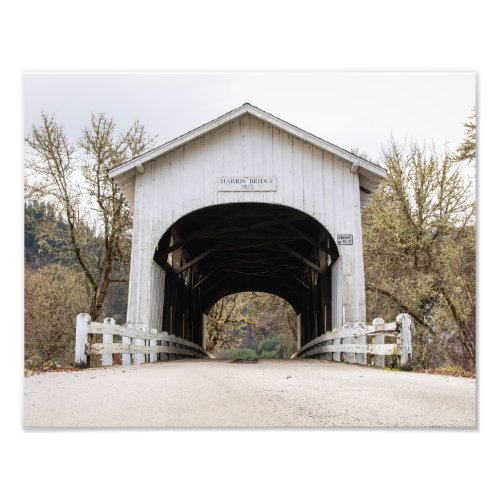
(285, 283)
(184, 241)
(299, 256)
(212, 272)
(208, 231)
(201, 256)
(293, 275)
(331, 251)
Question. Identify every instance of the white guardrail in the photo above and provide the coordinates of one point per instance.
(133, 345)
(354, 343)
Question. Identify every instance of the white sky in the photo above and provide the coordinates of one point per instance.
(349, 109)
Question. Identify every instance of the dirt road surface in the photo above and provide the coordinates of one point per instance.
(270, 393)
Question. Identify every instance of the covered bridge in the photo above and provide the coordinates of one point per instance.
(246, 202)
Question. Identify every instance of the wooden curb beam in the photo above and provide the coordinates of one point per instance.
(348, 341)
(137, 345)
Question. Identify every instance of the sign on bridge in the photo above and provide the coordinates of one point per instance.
(344, 239)
(246, 184)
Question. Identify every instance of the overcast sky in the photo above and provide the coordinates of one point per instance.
(349, 109)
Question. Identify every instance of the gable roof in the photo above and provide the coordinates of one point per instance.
(373, 171)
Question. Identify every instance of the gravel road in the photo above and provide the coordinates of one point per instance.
(270, 393)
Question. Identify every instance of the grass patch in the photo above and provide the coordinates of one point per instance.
(450, 371)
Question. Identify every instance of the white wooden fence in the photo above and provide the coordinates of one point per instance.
(136, 345)
(356, 343)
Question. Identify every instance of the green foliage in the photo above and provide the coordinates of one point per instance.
(245, 354)
(33, 363)
(49, 365)
(248, 353)
(270, 344)
(269, 355)
(46, 236)
(258, 321)
(467, 149)
(451, 371)
(269, 348)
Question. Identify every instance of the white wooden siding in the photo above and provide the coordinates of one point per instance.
(309, 179)
(157, 294)
(185, 179)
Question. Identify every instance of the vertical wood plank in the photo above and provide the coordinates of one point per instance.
(211, 168)
(166, 214)
(406, 340)
(309, 191)
(157, 295)
(337, 356)
(148, 243)
(126, 357)
(358, 267)
(267, 168)
(287, 180)
(361, 359)
(347, 251)
(136, 255)
(298, 182)
(139, 359)
(82, 333)
(175, 187)
(204, 325)
(277, 165)
(379, 339)
(153, 357)
(107, 359)
(329, 355)
(299, 331)
(317, 180)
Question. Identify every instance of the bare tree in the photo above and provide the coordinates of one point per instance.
(74, 178)
(419, 244)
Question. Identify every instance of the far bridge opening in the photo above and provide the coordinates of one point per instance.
(218, 251)
(251, 325)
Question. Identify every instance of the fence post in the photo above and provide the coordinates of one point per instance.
(163, 355)
(378, 323)
(337, 355)
(82, 333)
(329, 355)
(361, 359)
(348, 357)
(153, 356)
(139, 359)
(126, 357)
(406, 340)
(107, 359)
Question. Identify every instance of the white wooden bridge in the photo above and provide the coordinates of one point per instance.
(247, 202)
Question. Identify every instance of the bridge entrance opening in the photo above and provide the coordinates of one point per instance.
(226, 249)
(251, 325)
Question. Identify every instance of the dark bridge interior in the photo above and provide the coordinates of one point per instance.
(224, 249)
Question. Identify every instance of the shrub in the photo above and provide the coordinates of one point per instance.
(53, 296)
(268, 355)
(269, 344)
(245, 354)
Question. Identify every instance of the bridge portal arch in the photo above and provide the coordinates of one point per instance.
(239, 247)
(246, 178)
